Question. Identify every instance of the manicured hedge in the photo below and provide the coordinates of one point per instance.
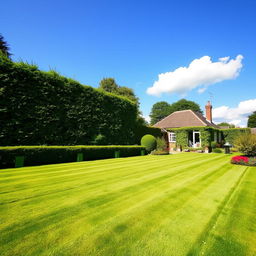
(44, 108)
(39, 155)
(231, 134)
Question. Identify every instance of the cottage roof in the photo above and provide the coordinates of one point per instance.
(184, 118)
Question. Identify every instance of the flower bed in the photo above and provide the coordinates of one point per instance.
(244, 160)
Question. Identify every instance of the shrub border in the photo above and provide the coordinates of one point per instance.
(40, 155)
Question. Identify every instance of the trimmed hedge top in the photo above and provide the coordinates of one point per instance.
(38, 155)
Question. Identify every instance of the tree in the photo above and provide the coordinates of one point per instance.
(227, 124)
(162, 109)
(128, 93)
(159, 111)
(184, 104)
(252, 120)
(4, 48)
(110, 85)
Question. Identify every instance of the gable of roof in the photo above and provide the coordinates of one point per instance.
(184, 118)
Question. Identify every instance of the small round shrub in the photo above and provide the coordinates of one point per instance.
(149, 142)
(217, 150)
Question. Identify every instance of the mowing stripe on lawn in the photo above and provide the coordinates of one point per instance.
(59, 180)
(128, 206)
(203, 176)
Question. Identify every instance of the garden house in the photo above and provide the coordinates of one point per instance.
(188, 128)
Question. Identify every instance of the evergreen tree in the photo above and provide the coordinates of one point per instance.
(162, 109)
(159, 111)
(4, 48)
(252, 120)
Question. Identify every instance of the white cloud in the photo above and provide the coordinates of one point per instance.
(237, 115)
(200, 73)
(235, 122)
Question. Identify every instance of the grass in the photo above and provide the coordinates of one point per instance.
(183, 204)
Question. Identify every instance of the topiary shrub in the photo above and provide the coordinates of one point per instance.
(246, 144)
(149, 142)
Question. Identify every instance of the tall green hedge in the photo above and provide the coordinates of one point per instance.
(44, 108)
(231, 134)
(38, 155)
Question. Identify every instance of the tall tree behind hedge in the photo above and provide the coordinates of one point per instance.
(162, 109)
(4, 48)
(227, 125)
(110, 85)
(252, 120)
(184, 104)
(159, 111)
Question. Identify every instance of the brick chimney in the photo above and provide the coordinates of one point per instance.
(208, 111)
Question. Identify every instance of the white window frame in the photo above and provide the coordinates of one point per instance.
(172, 137)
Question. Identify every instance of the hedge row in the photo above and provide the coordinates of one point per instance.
(44, 108)
(229, 135)
(39, 155)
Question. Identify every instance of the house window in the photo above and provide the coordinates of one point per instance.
(172, 137)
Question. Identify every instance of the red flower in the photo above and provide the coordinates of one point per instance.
(237, 159)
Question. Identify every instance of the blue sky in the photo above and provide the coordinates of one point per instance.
(135, 41)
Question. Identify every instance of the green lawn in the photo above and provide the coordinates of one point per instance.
(183, 204)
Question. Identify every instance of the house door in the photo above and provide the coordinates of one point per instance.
(196, 139)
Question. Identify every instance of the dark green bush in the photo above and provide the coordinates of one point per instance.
(217, 150)
(38, 155)
(44, 108)
(149, 142)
